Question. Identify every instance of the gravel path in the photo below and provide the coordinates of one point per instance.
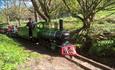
(49, 63)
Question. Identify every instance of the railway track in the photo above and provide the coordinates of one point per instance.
(89, 64)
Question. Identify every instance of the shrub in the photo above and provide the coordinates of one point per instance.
(103, 48)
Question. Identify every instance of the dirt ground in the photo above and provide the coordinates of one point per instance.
(49, 63)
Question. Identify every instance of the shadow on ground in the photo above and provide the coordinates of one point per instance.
(39, 48)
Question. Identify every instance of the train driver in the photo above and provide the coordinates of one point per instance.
(30, 26)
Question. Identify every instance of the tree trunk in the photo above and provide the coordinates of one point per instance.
(48, 23)
(36, 7)
(7, 18)
(19, 22)
(87, 42)
(35, 15)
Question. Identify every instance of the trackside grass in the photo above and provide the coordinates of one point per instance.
(12, 53)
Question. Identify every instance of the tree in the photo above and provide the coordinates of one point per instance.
(45, 8)
(31, 9)
(15, 10)
(6, 6)
(86, 10)
(18, 10)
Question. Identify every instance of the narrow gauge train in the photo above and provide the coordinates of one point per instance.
(51, 37)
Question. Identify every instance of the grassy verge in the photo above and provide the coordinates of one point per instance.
(12, 53)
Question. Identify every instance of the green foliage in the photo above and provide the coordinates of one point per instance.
(23, 31)
(1, 19)
(12, 53)
(110, 20)
(3, 25)
(101, 22)
(101, 27)
(104, 42)
(104, 14)
(69, 19)
(103, 48)
(72, 26)
(71, 23)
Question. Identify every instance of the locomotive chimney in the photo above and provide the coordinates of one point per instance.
(61, 24)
